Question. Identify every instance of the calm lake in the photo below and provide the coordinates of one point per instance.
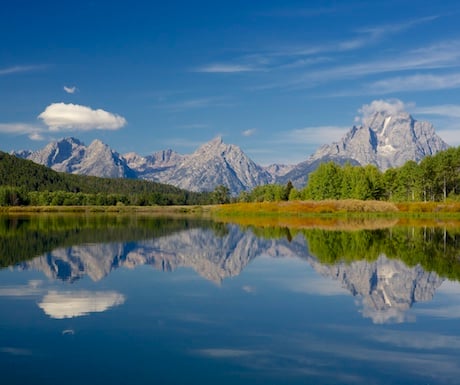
(139, 300)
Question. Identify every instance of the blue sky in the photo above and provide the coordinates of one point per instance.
(277, 78)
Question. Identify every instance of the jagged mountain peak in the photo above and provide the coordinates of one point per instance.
(379, 120)
(385, 139)
(72, 156)
(216, 163)
(388, 137)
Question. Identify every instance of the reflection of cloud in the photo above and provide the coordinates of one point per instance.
(224, 353)
(76, 304)
(417, 340)
(22, 291)
(442, 312)
(316, 285)
(249, 289)
(15, 351)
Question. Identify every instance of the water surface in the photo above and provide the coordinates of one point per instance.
(117, 300)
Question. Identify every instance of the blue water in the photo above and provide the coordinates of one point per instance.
(196, 307)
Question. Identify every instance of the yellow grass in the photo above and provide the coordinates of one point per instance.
(339, 214)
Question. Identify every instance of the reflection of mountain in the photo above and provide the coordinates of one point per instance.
(387, 287)
(214, 257)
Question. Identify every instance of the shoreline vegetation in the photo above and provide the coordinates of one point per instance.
(296, 214)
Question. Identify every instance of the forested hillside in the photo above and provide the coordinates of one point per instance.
(23, 182)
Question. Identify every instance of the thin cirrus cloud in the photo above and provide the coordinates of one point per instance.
(19, 69)
(314, 135)
(419, 82)
(438, 56)
(197, 103)
(446, 110)
(62, 117)
(226, 68)
(282, 58)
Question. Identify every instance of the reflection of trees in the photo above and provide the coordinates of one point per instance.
(435, 249)
(23, 238)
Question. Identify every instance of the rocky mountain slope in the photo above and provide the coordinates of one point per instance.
(72, 156)
(216, 163)
(151, 167)
(385, 139)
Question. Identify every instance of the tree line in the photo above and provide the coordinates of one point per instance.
(436, 178)
(23, 182)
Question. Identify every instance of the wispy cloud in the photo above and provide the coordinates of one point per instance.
(32, 131)
(447, 110)
(418, 82)
(226, 68)
(70, 90)
(292, 57)
(313, 135)
(249, 132)
(20, 69)
(62, 116)
(440, 56)
(196, 103)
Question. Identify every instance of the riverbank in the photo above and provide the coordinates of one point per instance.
(118, 209)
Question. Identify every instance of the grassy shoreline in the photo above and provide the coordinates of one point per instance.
(348, 207)
(159, 210)
(331, 214)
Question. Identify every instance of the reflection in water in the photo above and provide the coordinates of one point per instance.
(383, 268)
(387, 288)
(78, 303)
(274, 307)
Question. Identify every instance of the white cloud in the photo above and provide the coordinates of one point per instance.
(32, 131)
(61, 116)
(446, 110)
(190, 104)
(75, 304)
(36, 136)
(226, 68)
(389, 107)
(419, 82)
(314, 135)
(437, 56)
(19, 69)
(224, 352)
(451, 137)
(249, 132)
(70, 90)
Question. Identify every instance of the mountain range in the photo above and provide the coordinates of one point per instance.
(384, 139)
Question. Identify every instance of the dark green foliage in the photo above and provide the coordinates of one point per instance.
(25, 238)
(435, 178)
(267, 193)
(435, 249)
(24, 182)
